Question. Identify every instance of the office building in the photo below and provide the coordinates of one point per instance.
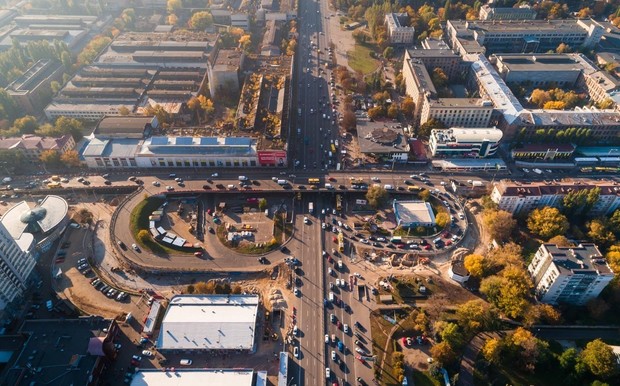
(32, 146)
(562, 70)
(209, 322)
(387, 144)
(458, 112)
(517, 197)
(464, 142)
(571, 275)
(224, 68)
(16, 266)
(411, 214)
(398, 29)
(523, 12)
(466, 37)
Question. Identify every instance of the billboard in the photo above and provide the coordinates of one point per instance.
(272, 157)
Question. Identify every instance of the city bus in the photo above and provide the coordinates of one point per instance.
(338, 202)
(313, 181)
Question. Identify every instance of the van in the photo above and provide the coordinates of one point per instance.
(231, 187)
(437, 240)
(243, 178)
(185, 362)
(329, 186)
(282, 182)
(388, 187)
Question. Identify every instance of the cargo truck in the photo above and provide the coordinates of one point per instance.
(311, 208)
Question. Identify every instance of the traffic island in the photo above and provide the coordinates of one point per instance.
(253, 233)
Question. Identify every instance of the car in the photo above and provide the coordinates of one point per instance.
(346, 328)
(214, 175)
(155, 183)
(332, 318)
(134, 362)
(295, 331)
(340, 346)
(296, 352)
(169, 188)
(327, 373)
(136, 358)
(326, 338)
(185, 362)
(296, 291)
(117, 346)
(135, 247)
(306, 220)
(147, 353)
(198, 254)
(334, 355)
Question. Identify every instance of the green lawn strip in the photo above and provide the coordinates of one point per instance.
(359, 59)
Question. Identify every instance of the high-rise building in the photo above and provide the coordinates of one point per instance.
(571, 275)
(16, 266)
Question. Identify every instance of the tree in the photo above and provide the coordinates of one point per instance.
(424, 194)
(431, 124)
(475, 264)
(376, 112)
(66, 60)
(492, 350)
(560, 241)
(360, 36)
(547, 222)
(173, 6)
(450, 334)
(408, 107)
(563, 48)
(124, 111)
(349, 120)
(584, 13)
(200, 21)
(26, 125)
(606, 104)
(377, 196)
(262, 204)
(600, 234)
(439, 78)
(554, 105)
(442, 219)
(172, 19)
(70, 158)
(55, 86)
(443, 353)
(143, 236)
(245, 42)
(568, 359)
(599, 358)
(50, 157)
(540, 97)
(542, 313)
(613, 257)
(72, 126)
(388, 52)
(392, 111)
(474, 316)
(499, 223)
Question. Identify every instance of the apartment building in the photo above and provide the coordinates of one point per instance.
(398, 29)
(600, 85)
(32, 146)
(16, 266)
(572, 275)
(524, 12)
(523, 36)
(464, 142)
(517, 197)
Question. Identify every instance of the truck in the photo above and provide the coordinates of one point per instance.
(299, 111)
(311, 208)
(6, 180)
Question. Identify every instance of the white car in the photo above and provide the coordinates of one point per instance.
(323, 226)
(334, 355)
(364, 241)
(295, 330)
(306, 220)
(296, 291)
(327, 372)
(375, 179)
(326, 338)
(215, 175)
(156, 183)
(147, 353)
(296, 352)
(134, 246)
(322, 211)
(169, 188)
(346, 329)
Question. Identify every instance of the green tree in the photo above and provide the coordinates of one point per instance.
(599, 358)
(499, 224)
(600, 233)
(451, 334)
(262, 204)
(426, 127)
(442, 219)
(388, 52)
(377, 196)
(547, 222)
(50, 157)
(200, 21)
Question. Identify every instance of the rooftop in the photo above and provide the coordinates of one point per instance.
(116, 148)
(56, 352)
(378, 139)
(199, 145)
(530, 27)
(209, 322)
(34, 142)
(193, 377)
(544, 62)
(460, 102)
(22, 218)
(509, 188)
(227, 60)
(433, 52)
(34, 75)
(416, 212)
(535, 147)
(128, 124)
(467, 135)
(582, 259)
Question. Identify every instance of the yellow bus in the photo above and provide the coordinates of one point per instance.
(413, 188)
(54, 185)
(313, 181)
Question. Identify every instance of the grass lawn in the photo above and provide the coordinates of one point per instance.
(359, 59)
(423, 379)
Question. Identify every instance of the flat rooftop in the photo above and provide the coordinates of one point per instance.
(459, 102)
(467, 135)
(377, 139)
(529, 27)
(240, 146)
(543, 62)
(209, 322)
(112, 148)
(582, 259)
(409, 212)
(127, 124)
(191, 377)
(227, 60)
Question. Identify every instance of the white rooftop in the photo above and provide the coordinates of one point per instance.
(467, 135)
(213, 322)
(414, 212)
(190, 377)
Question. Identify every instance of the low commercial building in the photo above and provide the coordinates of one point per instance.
(572, 275)
(458, 272)
(388, 144)
(31, 91)
(411, 214)
(543, 151)
(209, 322)
(398, 29)
(199, 377)
(523, 12)
(461, 142)
(63, 352)
(32, 146)
(517, 197)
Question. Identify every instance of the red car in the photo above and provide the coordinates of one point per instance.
(329, 259)
(427, 247)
